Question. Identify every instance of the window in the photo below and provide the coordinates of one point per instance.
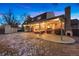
(39, 18)
(32, 19)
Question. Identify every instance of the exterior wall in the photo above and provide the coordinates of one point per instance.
(14, 30)
(9, 29)
(75, 27)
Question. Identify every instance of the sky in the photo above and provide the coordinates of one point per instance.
(34, 9)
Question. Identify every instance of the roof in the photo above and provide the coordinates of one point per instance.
(40, 20)
(42, 14)
(74, 21)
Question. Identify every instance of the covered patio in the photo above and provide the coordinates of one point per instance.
(44, 26)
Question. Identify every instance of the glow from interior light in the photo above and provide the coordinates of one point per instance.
(48, 26)
(56, 19)
(37, 24)
(43, 23)
(24, 25)
(53, 26)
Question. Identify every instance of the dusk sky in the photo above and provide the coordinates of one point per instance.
(34, 9)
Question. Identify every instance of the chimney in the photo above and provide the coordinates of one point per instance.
(68, 29)
(68, 18)
(68, 12)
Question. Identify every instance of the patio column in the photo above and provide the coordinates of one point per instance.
(30, 27)
(39, 26)
(61, 21)
(45, 28)
(39, 30)
(61, 32)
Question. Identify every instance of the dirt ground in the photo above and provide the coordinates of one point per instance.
(23, 44)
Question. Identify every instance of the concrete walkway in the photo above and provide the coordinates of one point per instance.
(55, 38)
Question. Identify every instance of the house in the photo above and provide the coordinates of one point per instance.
(48, 22)
(75, 27)
(75, 24)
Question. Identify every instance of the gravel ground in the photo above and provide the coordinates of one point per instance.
(24, 44)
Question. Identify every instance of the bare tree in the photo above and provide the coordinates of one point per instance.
(27, 19)
(10, 19)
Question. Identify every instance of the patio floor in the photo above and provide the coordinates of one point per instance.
(54, 38)
(19, 44)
